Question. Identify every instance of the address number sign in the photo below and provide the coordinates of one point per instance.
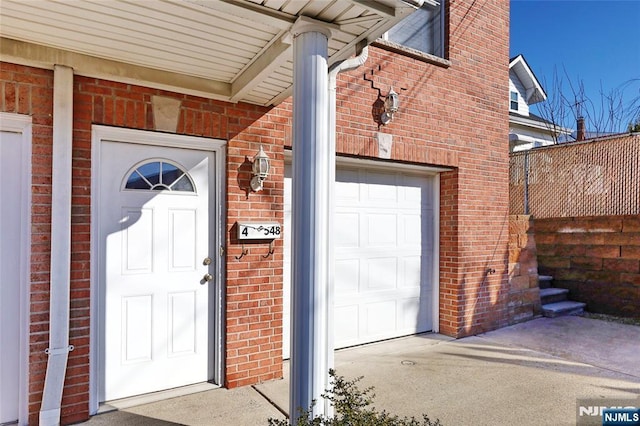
(259, 231)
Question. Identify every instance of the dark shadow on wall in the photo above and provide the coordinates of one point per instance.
(427, 283)
(244, 176)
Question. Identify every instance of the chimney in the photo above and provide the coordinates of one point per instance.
(580, 133)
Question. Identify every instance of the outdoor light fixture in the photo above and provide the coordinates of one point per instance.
(260, 169)
(391, 103)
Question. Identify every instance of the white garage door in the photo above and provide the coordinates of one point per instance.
(384, 234)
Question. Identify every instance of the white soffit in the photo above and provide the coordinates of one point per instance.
(234, 50)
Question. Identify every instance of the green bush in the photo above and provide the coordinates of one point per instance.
(352, 407)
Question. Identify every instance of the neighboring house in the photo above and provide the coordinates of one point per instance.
(528, 130)
(128, 134)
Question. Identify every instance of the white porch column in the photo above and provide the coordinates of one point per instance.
(310, 219)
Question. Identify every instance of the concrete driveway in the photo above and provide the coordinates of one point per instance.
(528, 374)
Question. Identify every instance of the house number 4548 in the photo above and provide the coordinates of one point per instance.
(259, 231)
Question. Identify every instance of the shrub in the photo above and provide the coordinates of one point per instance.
(352, 407)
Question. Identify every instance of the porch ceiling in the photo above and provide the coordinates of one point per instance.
(233, 50)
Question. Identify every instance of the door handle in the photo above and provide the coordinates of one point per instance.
(207, 277)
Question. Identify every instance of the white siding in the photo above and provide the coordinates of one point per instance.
(516, 85)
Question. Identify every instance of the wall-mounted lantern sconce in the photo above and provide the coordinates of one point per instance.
(260, 169)
(391, 103)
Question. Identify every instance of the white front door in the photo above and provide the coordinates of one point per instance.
(13, 243)
(157, 252)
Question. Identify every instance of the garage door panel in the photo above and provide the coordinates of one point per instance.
(415, 192)
(411, 195)
(347, 189)
(381, 188)
(381, 295)
(347, 276)
(379, 319)
(411, 314)
(411, 272)
(382, 274)
(382, 230)
(347, 323)
(347, 230)
(411, 226)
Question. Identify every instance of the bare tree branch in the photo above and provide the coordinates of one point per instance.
(608, 113)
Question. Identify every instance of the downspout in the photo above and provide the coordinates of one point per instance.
(59, 292)
(334, 70)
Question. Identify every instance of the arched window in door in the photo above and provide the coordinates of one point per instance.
(159, 175)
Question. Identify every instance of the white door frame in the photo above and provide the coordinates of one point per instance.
(216, 206)
(22, 124)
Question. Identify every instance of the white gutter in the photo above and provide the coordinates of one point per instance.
(59, 347)
(334, 70)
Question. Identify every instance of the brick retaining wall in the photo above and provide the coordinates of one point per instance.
(596, 258)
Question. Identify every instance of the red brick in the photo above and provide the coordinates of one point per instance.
(630, 252)
(590, 263)
(630, 279)
(631, 224)
(622, 265)
(603, 251)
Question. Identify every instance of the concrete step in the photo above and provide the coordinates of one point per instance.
(567, 307)
(553, 295)
(545, 281)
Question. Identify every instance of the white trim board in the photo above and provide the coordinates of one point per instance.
(342, 160)
(22, 124)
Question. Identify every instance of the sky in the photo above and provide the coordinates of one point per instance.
(595, 41)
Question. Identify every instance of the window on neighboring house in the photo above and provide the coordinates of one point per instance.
(423, 30)
(514, 101)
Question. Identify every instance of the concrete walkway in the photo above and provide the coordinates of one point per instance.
(528, 374)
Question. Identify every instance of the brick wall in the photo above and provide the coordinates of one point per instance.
(596, 258)
(254, 285)
(453, 116)
(524, 293)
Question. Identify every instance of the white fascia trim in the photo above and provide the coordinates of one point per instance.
(523, 121)
(22, 124)
(516, 137)
(521, 68)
